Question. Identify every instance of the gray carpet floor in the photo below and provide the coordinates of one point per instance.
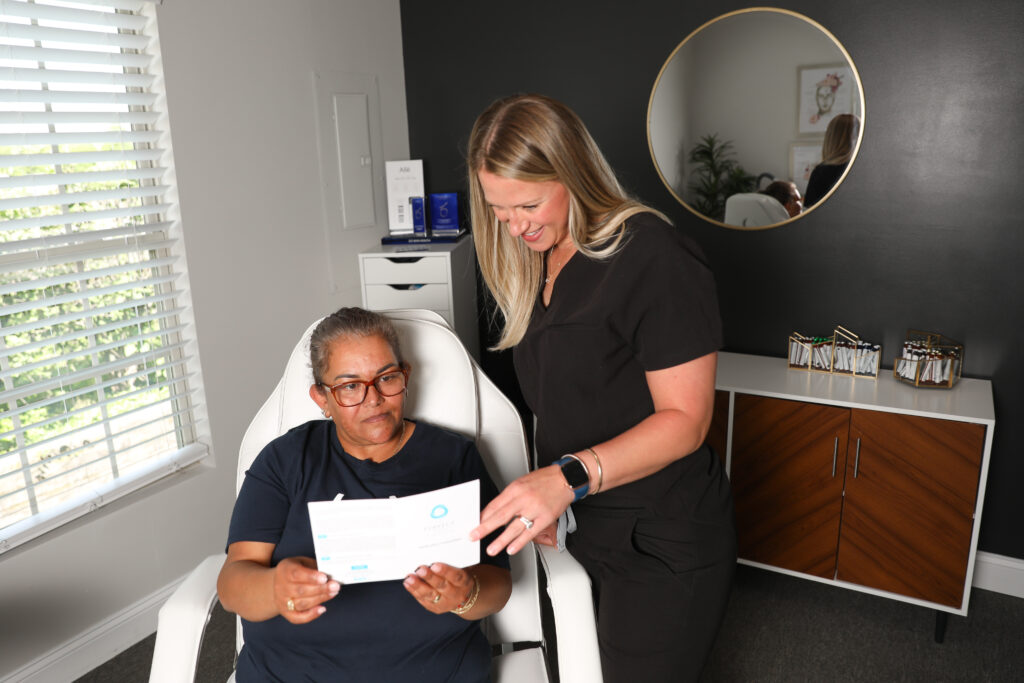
(781, 628)
(777, 629)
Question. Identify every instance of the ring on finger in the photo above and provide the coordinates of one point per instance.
(528, 523)
(437, 598)
(291, 605)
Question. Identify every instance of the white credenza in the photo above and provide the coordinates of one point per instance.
(867, 484)
(440, 277)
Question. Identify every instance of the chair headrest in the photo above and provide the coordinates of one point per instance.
(753, 209)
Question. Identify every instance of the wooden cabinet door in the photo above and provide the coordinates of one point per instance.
(788, 460)
(909, 504)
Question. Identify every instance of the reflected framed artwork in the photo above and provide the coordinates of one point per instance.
(824, 91)
(803, 157)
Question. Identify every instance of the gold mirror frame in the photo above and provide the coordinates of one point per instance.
(744, 19)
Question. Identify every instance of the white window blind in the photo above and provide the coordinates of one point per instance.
(100, 393)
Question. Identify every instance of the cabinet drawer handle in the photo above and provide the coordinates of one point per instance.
(404, 259)
(835, 452)
(405, 288)
(856, 459)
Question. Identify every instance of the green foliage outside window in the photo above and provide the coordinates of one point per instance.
(120, 327)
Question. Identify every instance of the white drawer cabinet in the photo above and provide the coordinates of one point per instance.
(438, 277)
(434, 297)
(405, 268)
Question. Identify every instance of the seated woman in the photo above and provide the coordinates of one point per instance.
(298, 623)
(785, 192)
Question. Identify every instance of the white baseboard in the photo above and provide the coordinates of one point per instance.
(999, 573)
(93, 647)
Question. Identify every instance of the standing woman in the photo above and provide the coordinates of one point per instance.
(836, 152)
(613, 319)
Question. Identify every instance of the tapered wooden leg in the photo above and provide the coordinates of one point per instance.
(940, 625)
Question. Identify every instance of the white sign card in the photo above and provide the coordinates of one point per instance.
(404, 181)
(384, 539)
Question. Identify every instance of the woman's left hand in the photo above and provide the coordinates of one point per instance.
(440, 587)
(539, 498)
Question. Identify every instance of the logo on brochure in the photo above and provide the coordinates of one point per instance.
(439, 511)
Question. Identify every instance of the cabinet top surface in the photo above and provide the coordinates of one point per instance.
(970, 400)
(413, 250)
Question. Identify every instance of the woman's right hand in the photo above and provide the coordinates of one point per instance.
(539, 497)
(300, 589)
(252, 589)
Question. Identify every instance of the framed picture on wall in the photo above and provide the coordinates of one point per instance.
(823, 91)
(803, 157)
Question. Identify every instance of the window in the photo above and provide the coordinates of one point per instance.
(100, 393)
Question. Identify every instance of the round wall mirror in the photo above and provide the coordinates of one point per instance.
(750, 105)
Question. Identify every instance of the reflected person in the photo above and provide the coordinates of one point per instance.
(786, 193)
(836, 152)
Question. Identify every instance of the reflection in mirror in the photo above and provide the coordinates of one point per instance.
(754, 97)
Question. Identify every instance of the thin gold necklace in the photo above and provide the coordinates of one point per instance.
(552, 273)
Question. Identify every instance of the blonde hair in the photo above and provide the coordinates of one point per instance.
(534, 138)
(840, 136)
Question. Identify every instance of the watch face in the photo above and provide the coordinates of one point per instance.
(575, 473)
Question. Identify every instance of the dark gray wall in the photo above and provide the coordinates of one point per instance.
(925, 233)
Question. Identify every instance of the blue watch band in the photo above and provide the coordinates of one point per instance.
(576, 475)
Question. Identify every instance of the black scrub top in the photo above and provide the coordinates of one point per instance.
(581, 364)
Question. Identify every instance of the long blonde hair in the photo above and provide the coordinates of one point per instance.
(840, 139)
(535, 138)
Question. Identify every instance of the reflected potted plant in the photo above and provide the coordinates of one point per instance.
(717, 176)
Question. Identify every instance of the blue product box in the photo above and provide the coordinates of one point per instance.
(419, 216)
(444, 212)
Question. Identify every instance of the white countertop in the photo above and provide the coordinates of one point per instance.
(969, 400)
(416, 248)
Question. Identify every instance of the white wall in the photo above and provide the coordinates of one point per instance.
(240, 100)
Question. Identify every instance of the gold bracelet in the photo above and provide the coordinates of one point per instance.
(600, 472)
(471, 600)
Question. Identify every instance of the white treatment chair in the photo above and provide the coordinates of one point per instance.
(447, 389)
(752, 210)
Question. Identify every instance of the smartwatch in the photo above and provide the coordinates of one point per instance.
(576, 475)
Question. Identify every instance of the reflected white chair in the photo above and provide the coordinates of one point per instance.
(447, 389)
(752, 210)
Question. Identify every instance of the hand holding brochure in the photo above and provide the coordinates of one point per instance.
(384, 539)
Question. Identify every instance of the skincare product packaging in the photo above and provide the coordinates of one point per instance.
(419, 217)
(444, 213)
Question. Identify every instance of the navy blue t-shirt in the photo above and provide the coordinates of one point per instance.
(372, 631)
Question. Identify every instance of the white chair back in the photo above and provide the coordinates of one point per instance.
(752, 209)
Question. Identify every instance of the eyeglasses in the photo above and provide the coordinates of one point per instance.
(352, 392)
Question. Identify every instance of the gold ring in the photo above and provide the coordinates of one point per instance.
(291, 605)
(437, 598)
(528, 523)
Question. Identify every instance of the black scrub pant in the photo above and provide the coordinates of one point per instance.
(661, 575)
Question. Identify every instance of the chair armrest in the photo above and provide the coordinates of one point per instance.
(182, 621)
(579, 659)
